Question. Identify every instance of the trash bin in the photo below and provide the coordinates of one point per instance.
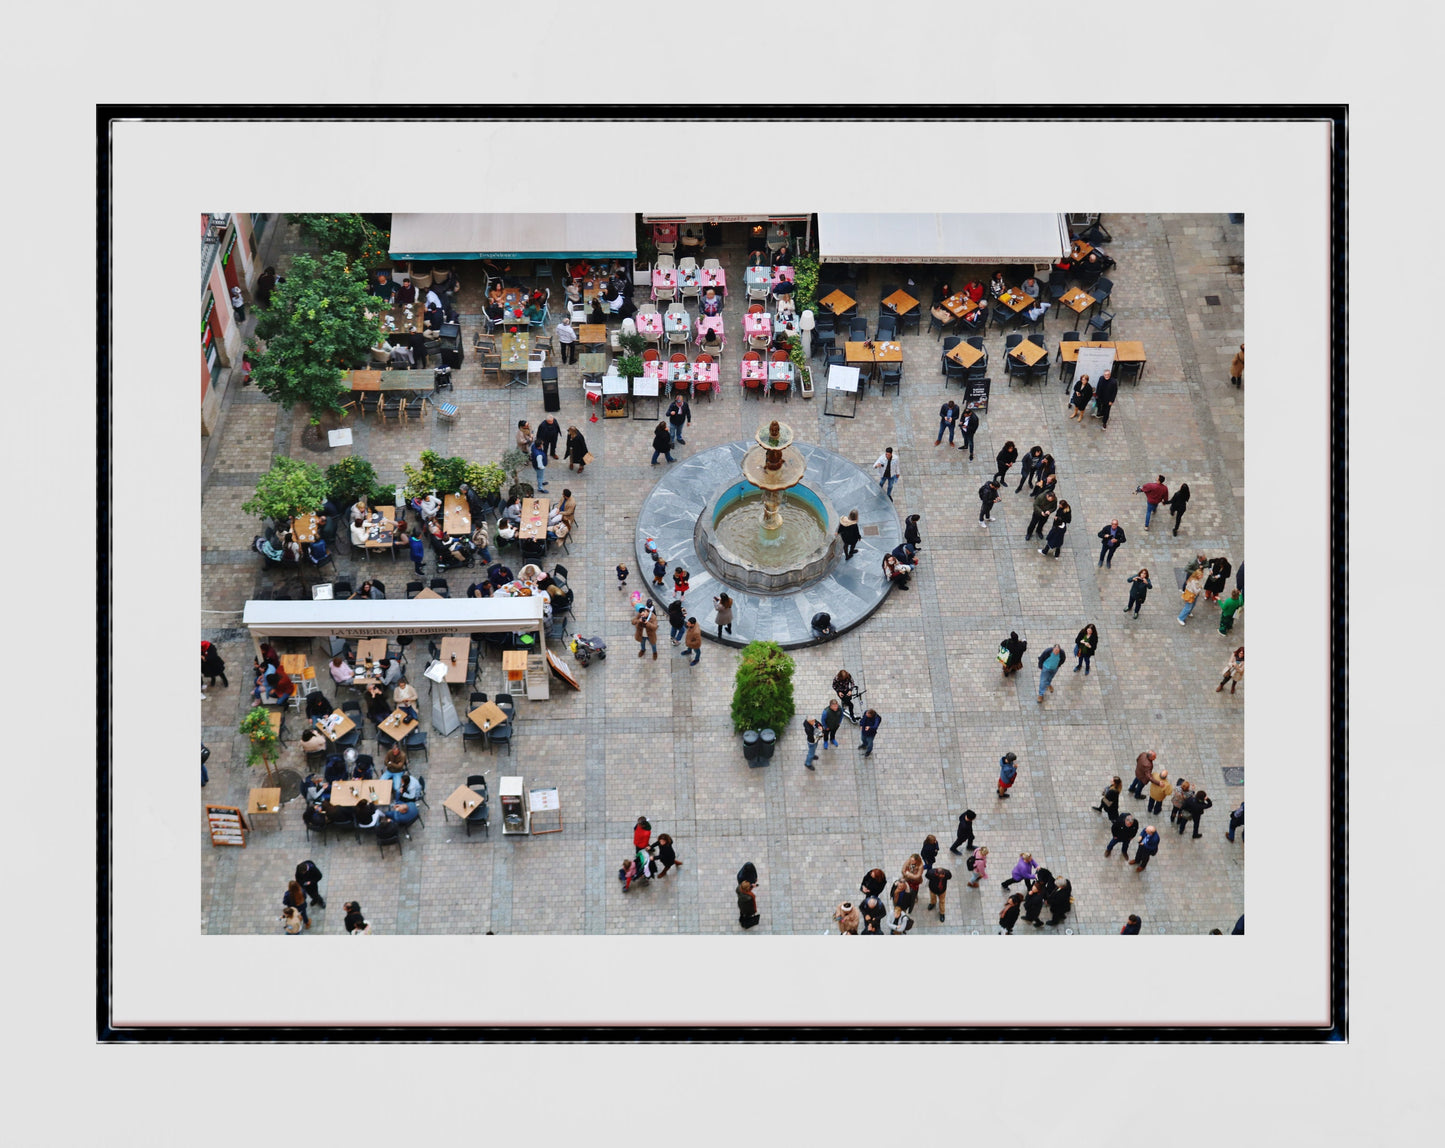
(750, 744)
(551, 397)
(767, 742)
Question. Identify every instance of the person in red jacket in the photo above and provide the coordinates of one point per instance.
(642, 834)
(1154, 493)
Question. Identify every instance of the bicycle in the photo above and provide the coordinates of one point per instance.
(853, 697)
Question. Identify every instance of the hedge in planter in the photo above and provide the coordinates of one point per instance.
(763, 695)
(289, 488)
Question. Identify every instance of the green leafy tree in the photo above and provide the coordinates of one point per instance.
(352, 477)
(315, 328)
(485, 477)
(261, 744)
(444, 475)
(355, 235)
(289, 488)
(630, 366)
(632, 344)
(763, 695)
(805, 283)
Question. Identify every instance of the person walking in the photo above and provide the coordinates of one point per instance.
(1123, 831)
(848, 918)
(642, 834)
(1109, 799)
(1034, 902)
(1011, 653)
(910, 532)
(576, 450)
(566, 340)
(1194, 808)
(1006, 457)
(1079, 400)
(1008, 917)
(212, 665)
(1233, 671)
(968, 425)
(1023, 870)
(1106, 392)
(1143, 770)
(1061, 898)
(295, 897)
(1147, 847)
(1193, 587)
(1055, 540)
(676, 620)
(679, 415)
(1154, 493)
(888, 465)
(867, 730)
(977, 864)
(1028, 465)
(849, 533)
(929, 852)
(938, 879)
(1131, 926)
(1228, 608)
(1218, 576)
(692, 640)
(832, 718)
(947, 421)
(1236, 819)
(965, 831)
(238, 304)
(1159, 789)
(723, 605)
(987, 496)
(1139, 587)
(538, 454)
(1236, 368)
(1178, 504)
(1008, 772)
(1049, 662)
(548, 433)
(813, 729)
(292, 921)
(308, 876)
(1044, 505)
(748, 914)
(1111, 538)
(666, 854)
(644, 630)
(1086, 645)
(661, 443)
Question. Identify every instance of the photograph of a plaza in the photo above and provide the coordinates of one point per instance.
(537, 550)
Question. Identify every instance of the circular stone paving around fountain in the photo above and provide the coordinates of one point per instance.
(850, 591)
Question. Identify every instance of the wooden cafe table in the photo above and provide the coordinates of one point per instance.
(592, 334)
(1130, 353)
(455, 654)
(1078, 302)
(464, 801)
(397, 726)
(1015, 300)
(370, 650)
(488, 716)
(901, 302)
(266, 802)
(533, 527)
(427, 592)
(342, 728)
(293, 664)
(1028, 352)
(376, 792)
(959, 305)
(304, 529)
(513, 350)
(965, 355)
(837, 302)
(379, 533)
(456, 515)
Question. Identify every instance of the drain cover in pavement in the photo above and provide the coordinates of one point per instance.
(869, 532)
(1234, 775)
(1212, 300)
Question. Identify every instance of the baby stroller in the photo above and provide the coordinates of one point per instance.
(638, 869)
(585, 648)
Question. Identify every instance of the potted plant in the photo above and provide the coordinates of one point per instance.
(289, 488)
(261, 743)
(633, 344)
(800, 367)
(513, 462)
(763, 691)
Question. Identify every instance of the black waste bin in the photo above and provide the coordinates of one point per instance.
(551, 397)
(767, 742)
(750, 744)
(454, 358)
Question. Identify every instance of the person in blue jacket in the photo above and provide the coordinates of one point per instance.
(1147, 847)
(868, 729)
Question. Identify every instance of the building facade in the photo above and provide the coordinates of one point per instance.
(229, 243)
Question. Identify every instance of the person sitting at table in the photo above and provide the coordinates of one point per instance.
(758, 256)
(623, 282)
(316, 552)
(376, 707)
(317, 705)
(405, 294)
(313, 741)
(513, 511)
(534, 312)
(435, 317)
(336, 769)
(368, 590)
(394, 765)
(482, 589)
(360, 532)
(404, 697)
(383, 288)
(711, 344)
(428, 506)
(581, 269)
(361, 767)
(567, 507)
(1038, 310)
(896, 572)
(596, 314)
(369, 816)
(453, 550)
(941, 291)
(711, 305)
(403, 813)
(1030, 287)
(996, 285)
(975, 319)
(480, 542)
(573, 291)
(781, 257)
(494, 313)
(280, 685)
(400, 356)
(341, 673)
(314, 789)
(974, 290)
(497, 294)
(291, 549)
(390, 671)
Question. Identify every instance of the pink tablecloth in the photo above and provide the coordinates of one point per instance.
(653, 369)
(648, 323)
(754, 370)
(779, 274)
(707, 277)
(759, 325)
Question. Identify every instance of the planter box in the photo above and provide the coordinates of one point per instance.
(805, 383)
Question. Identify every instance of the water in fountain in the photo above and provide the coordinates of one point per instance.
(738, 526)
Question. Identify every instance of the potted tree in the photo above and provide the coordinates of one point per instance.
(629, 366)
(261, 743)
(513, 462)
(289, 488)
(763, 690)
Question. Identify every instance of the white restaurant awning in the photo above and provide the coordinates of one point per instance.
(435, 235)
(365, 618)
(744, 218)
(1022, 237)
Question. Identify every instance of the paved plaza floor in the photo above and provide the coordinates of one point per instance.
(654, 737)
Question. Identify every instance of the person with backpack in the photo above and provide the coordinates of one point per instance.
(1008, 772)
(977, 864)
(1011, 653)
(987, 496)
(1009, 916)
(938, 879)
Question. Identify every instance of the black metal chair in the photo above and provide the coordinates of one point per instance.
(1101, 291)
(471, 731)
(481, 816)
(342, 589)
(892, 376)
(858, 330)
(439, 586)
(414, 741)
(1102, 325)
(1040, 370)
(388, 834)
(887, 329)
(414, 588)
(824, 342)
(1010, 364)
(352, 737)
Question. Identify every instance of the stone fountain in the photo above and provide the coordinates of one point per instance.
(773, 466)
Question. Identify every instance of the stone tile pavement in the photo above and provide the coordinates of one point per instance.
(653, 737)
